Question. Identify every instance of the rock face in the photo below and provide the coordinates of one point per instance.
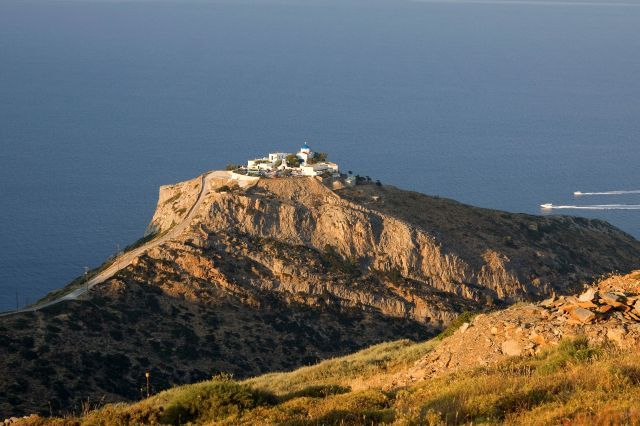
(471, 253)
(174, 201)
(603, 313)
(289, 271)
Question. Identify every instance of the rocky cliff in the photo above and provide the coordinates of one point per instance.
(283, 272)
(174, 201)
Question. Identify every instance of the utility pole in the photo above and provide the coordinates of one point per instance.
(17, 304)
(147, 375)
(118, 255)
(86, 276)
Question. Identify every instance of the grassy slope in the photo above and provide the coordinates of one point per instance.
(574, 382)
(368, 368)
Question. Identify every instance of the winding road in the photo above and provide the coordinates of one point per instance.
(125, 259)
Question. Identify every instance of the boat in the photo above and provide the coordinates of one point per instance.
(546, 206)
(577, 193)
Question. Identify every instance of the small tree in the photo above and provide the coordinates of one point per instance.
(277, 164)
(232, 167)
(318, 157)
(292, 160)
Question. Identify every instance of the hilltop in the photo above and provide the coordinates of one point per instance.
(247, 276)
(570, 369)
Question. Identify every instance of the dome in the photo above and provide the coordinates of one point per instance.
(305, 147)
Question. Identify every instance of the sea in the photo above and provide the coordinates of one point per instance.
(504, 104)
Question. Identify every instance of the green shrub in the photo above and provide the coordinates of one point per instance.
(139, 242)
(630, 373)
(292, 160)
(214, 400)
(317, 391)
(568, 351)
(318, 157)
(346, 417)
(524, 399)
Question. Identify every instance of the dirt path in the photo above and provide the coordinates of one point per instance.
(125, 259)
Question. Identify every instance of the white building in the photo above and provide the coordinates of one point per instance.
(275, 156)
(320, 168)
(266, 163)
(260, 164)
(277, 161)
(305, 153)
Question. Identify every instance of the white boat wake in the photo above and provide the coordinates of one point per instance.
(580, 193)
(549, 206)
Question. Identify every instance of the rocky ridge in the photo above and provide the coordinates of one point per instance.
(605, 313)
(488, 257)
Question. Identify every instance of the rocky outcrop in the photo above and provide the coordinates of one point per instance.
(174, 202)
(523, 256)
(607, 313)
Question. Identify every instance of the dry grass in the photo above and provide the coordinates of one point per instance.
(371, 367)
(571, 384)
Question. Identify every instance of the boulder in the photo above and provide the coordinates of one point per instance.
(604, 309)
(537, 339)
(612, 299)
(512, 348)
(617, 335)
(581, 314)
(588, 295)
(567, 308)
(548, 303)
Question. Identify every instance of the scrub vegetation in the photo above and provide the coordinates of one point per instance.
(572, 383)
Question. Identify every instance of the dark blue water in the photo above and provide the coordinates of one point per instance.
(499, 105)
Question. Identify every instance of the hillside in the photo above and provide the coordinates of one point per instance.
(572, 371)
(274, 274)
